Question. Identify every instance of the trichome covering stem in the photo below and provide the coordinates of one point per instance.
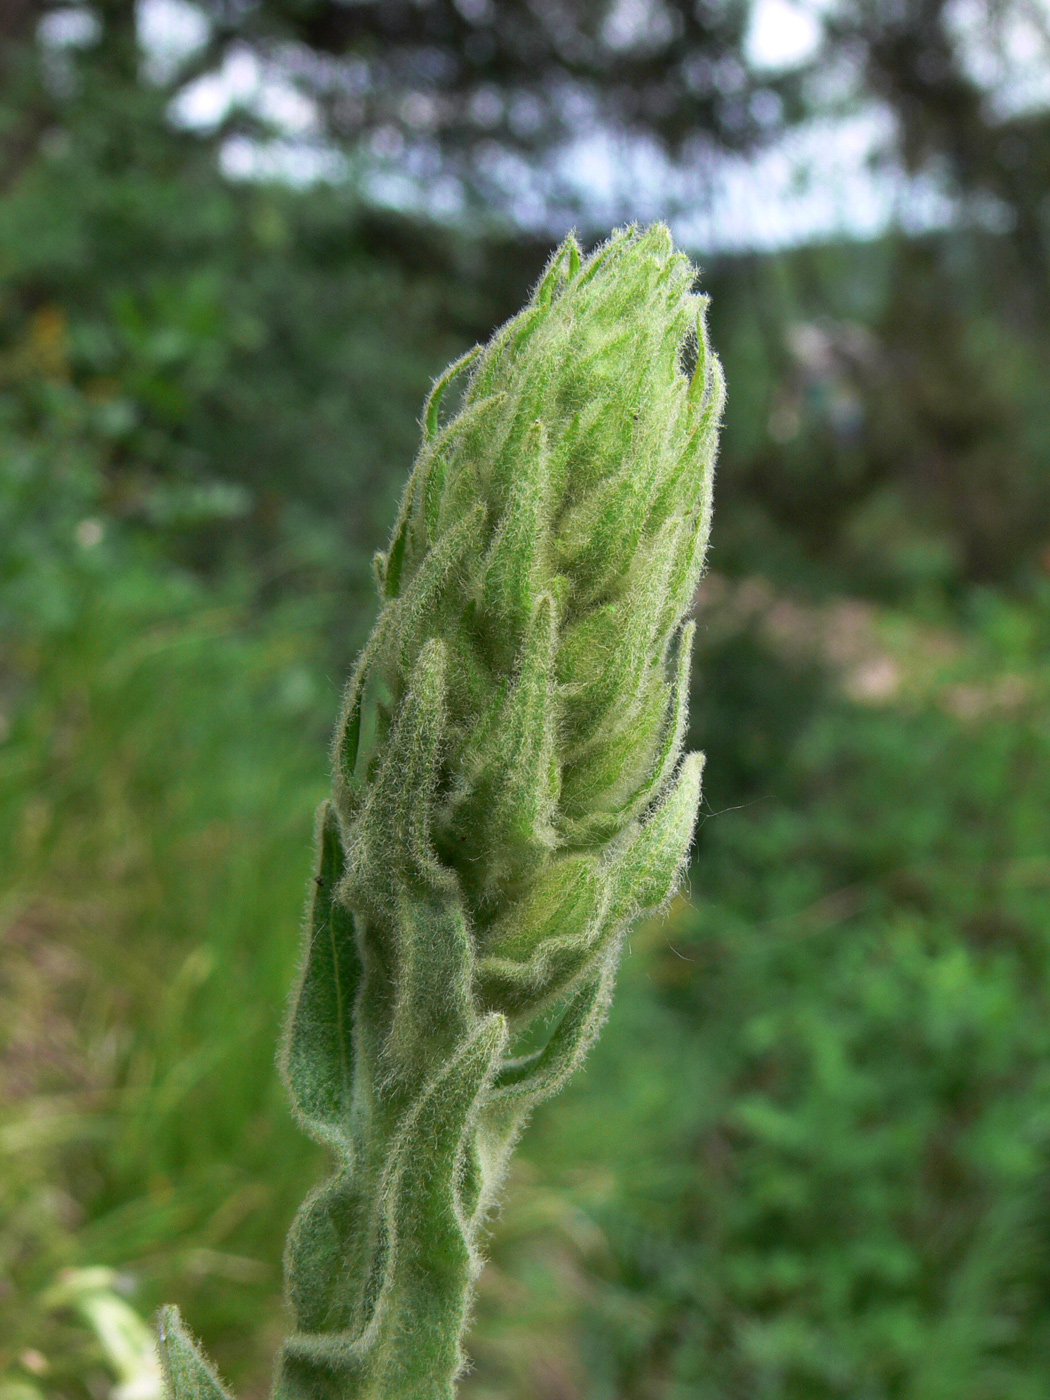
(509, 794)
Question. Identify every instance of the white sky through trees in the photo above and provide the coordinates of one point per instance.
(832, 176)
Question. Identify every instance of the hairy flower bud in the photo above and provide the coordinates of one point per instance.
(509, 794)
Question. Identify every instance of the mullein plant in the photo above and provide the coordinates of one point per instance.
(509, 794)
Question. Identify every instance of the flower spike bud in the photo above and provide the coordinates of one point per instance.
(509, 794)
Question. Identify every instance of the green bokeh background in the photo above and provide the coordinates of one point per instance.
(811, 1155)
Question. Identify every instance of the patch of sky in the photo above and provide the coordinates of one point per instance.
(833, 177)
(1006, 50)
(170, 32)
(68, 27)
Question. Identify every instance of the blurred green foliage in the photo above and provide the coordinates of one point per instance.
(809, 1158)
(888, 431)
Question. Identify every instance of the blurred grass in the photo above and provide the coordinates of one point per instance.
(156, 798)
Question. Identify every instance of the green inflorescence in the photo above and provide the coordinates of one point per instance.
(510, 793)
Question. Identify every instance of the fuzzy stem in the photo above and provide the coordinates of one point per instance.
(509, 795)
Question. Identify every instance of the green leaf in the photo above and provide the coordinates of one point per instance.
(318, 1054)
(187, 1374)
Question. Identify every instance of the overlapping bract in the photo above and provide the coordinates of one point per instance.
(509, 795)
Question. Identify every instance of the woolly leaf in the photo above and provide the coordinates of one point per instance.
(512, 567)
(317, 1061)
(187, 1374)
(648, 873)
(431, 992)
(433, 404)
(537, 1076)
